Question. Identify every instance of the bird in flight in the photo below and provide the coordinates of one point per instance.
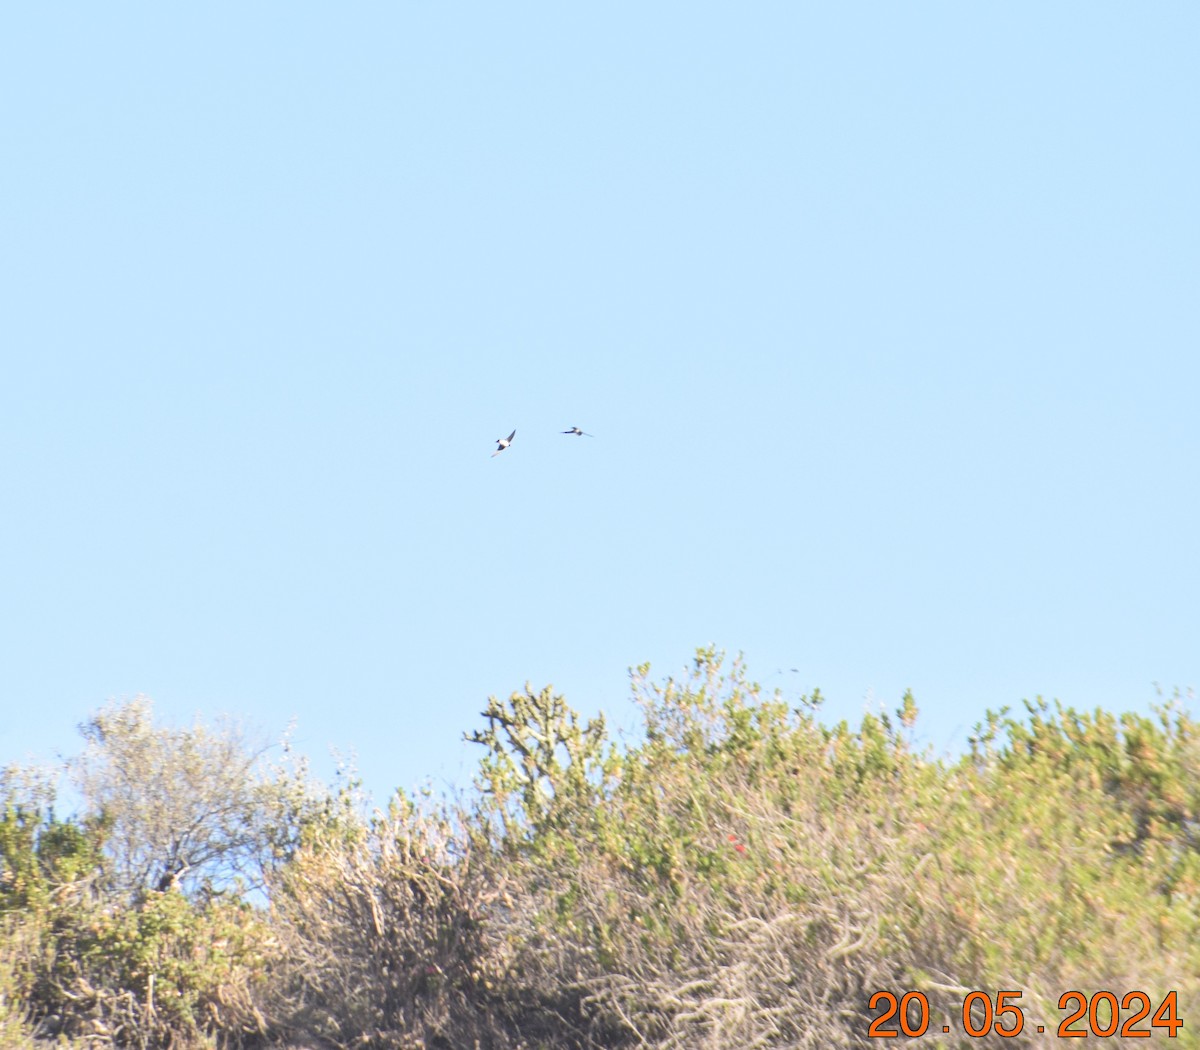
(503, 443)
(576, 430)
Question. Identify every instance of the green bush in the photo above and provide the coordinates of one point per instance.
(130, 923)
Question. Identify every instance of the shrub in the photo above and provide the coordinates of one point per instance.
(384, 929)
(130, 923)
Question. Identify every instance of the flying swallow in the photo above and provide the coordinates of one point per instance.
(503, 443)
(576, 430)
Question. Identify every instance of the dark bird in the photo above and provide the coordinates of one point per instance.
(503, 443)
(576, 430)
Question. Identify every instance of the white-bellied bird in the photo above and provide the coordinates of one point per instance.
(503, 443)
(576, 430)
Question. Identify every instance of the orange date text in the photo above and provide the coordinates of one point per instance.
(982, 1014)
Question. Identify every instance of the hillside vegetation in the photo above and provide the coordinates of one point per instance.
(739, 875)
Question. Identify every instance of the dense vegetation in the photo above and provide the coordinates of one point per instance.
(738, 876)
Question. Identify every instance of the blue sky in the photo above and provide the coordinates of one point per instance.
(885, 318)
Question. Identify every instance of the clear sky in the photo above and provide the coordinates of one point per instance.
(885, 318)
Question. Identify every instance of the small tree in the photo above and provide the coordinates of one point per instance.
(540, 755)
(193, 809)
